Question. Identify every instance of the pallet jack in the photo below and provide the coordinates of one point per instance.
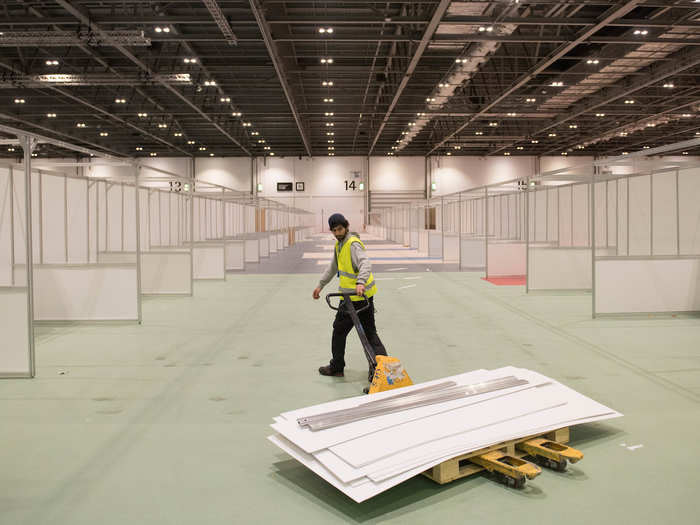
(386, 372)
(504, 462)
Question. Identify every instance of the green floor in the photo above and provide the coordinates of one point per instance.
(166, 422)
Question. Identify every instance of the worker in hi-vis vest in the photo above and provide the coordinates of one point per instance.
(351, 264)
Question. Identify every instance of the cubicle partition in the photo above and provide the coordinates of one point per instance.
(506, 250)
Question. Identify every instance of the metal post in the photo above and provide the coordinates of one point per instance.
(65, 219)
(459, 230)
(527, 234)
(137, 170)
(41, 217)
(678, 218)
(607, 218)
(592, 237)
(442, 225)
(486, 232)
(12, 224)
(627, 185)
(160, 218)
(87, 214)
(223, 226)
(106, 216)
(571, 224)
(122, 218)
(97, 222)
(192, 240)
(651, 214)
(27, 146)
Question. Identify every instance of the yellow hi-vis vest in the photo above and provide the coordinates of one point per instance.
(346, 273)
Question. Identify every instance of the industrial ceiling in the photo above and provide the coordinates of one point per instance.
(254, 77)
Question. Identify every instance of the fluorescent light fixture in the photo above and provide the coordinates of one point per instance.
(139, 148)
(51, 115)
(260, 186)
(506, 154)
(52, 62)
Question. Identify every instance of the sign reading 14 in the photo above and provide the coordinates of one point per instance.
(351, 186)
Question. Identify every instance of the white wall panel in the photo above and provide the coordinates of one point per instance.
(397, 173)
(689, 211)
(208, 262)
(473, 254)
(664, 214)
(53, 219)
(166, 272)
(581, 209)
(565, 217)
(115, 203)
(639, 215)
(235, 255)
(5, 228)
(252, 250)
(80, 293)
(639, 286)
(506, 259)
(14, 357)
(559, 269)
(77, 200)
(232, 172)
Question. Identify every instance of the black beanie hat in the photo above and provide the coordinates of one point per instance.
(337, 219)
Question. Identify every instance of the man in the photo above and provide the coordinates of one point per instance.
(351, 264)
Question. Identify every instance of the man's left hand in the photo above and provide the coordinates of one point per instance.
(360, 290)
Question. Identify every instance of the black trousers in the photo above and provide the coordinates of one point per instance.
(342, 325)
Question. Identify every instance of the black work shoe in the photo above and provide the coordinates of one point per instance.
(328, 371)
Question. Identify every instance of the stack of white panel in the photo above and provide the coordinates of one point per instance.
(365, 457)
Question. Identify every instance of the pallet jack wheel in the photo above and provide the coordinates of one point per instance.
(559, 466)
(516, 483)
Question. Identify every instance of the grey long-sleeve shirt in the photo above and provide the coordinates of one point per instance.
(360, 263)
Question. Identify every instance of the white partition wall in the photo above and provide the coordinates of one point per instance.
(657, 265)
(16, 349)
(505, 217)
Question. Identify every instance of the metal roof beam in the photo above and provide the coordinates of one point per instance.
(279, 68)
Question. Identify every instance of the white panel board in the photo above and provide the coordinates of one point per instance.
(5, 228)
(252, 250)
(14, 356)
(115, 202)
(506, 259)
(559, 269)
(473, 254)
(208, 261)
(451, 248)
(689, 211)
(434, 243)
(77, 220)
(85, 293)
(130, 219)
(166, 272)
(565, 215)
(235, 255)
(639, 286)
(664, 214)
(581, 215)
(639, 215)
(264, 244)
(53, 219)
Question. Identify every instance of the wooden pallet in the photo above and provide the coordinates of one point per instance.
(460, 466)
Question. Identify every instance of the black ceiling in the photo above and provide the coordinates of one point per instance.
(388, 58)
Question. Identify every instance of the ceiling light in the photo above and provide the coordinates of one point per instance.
(564, 153)
(272, 154)
(225, 99)
(600, 114)
(154, 154)
(104, 134)
(51, 115)
(266, 148)
(10, 149)
(651, 125)
(328, 83)
(411, 123)
(120, 101)
(642, 32)
(325, 30)
(210, 82)
(190, 142)
(329, 124)
(329, 114)
(331, 142)
(177, 134)
(327, 60)
(623, 134)
(420, 114)
(330, 133)
(458, 147)
(669, 85)
(512, 114)
(685, 153)
(629, 101)
(142, 115)
(592, 61)
(35, 154)
(139, 148)
(430, 99)
(506, 154)
(19, 101)
(211, 154)
(236, 114)
(162, 125)
(520, 147)
(461, 60)
(255, 133)
(552, 135)
(261, 141)
(493, 124)
(530, 100)
(202, 148)
(534, 142)
(80, 125)
(686, 115)
(331, 154)
(478, 133)
(52, 62)
(558, 83)
(646, 147)
(404, 132)
(625, 152)
(580, 146)
(443, 85)
(189, 60)
(449, 153)
(246, 124)
(328, 100)
(331, 147)
(159, 29)
(573, 126)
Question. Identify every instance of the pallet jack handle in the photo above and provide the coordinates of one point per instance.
(350, 309)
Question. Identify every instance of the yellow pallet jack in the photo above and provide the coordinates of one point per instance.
(389, 373)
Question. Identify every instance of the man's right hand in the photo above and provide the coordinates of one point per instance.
(317, 293)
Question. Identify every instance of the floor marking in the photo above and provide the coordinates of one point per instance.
(395, 269)
(631, 447)
(407, 286)
(412, 278)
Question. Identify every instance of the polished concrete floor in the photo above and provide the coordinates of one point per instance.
(165, 423)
